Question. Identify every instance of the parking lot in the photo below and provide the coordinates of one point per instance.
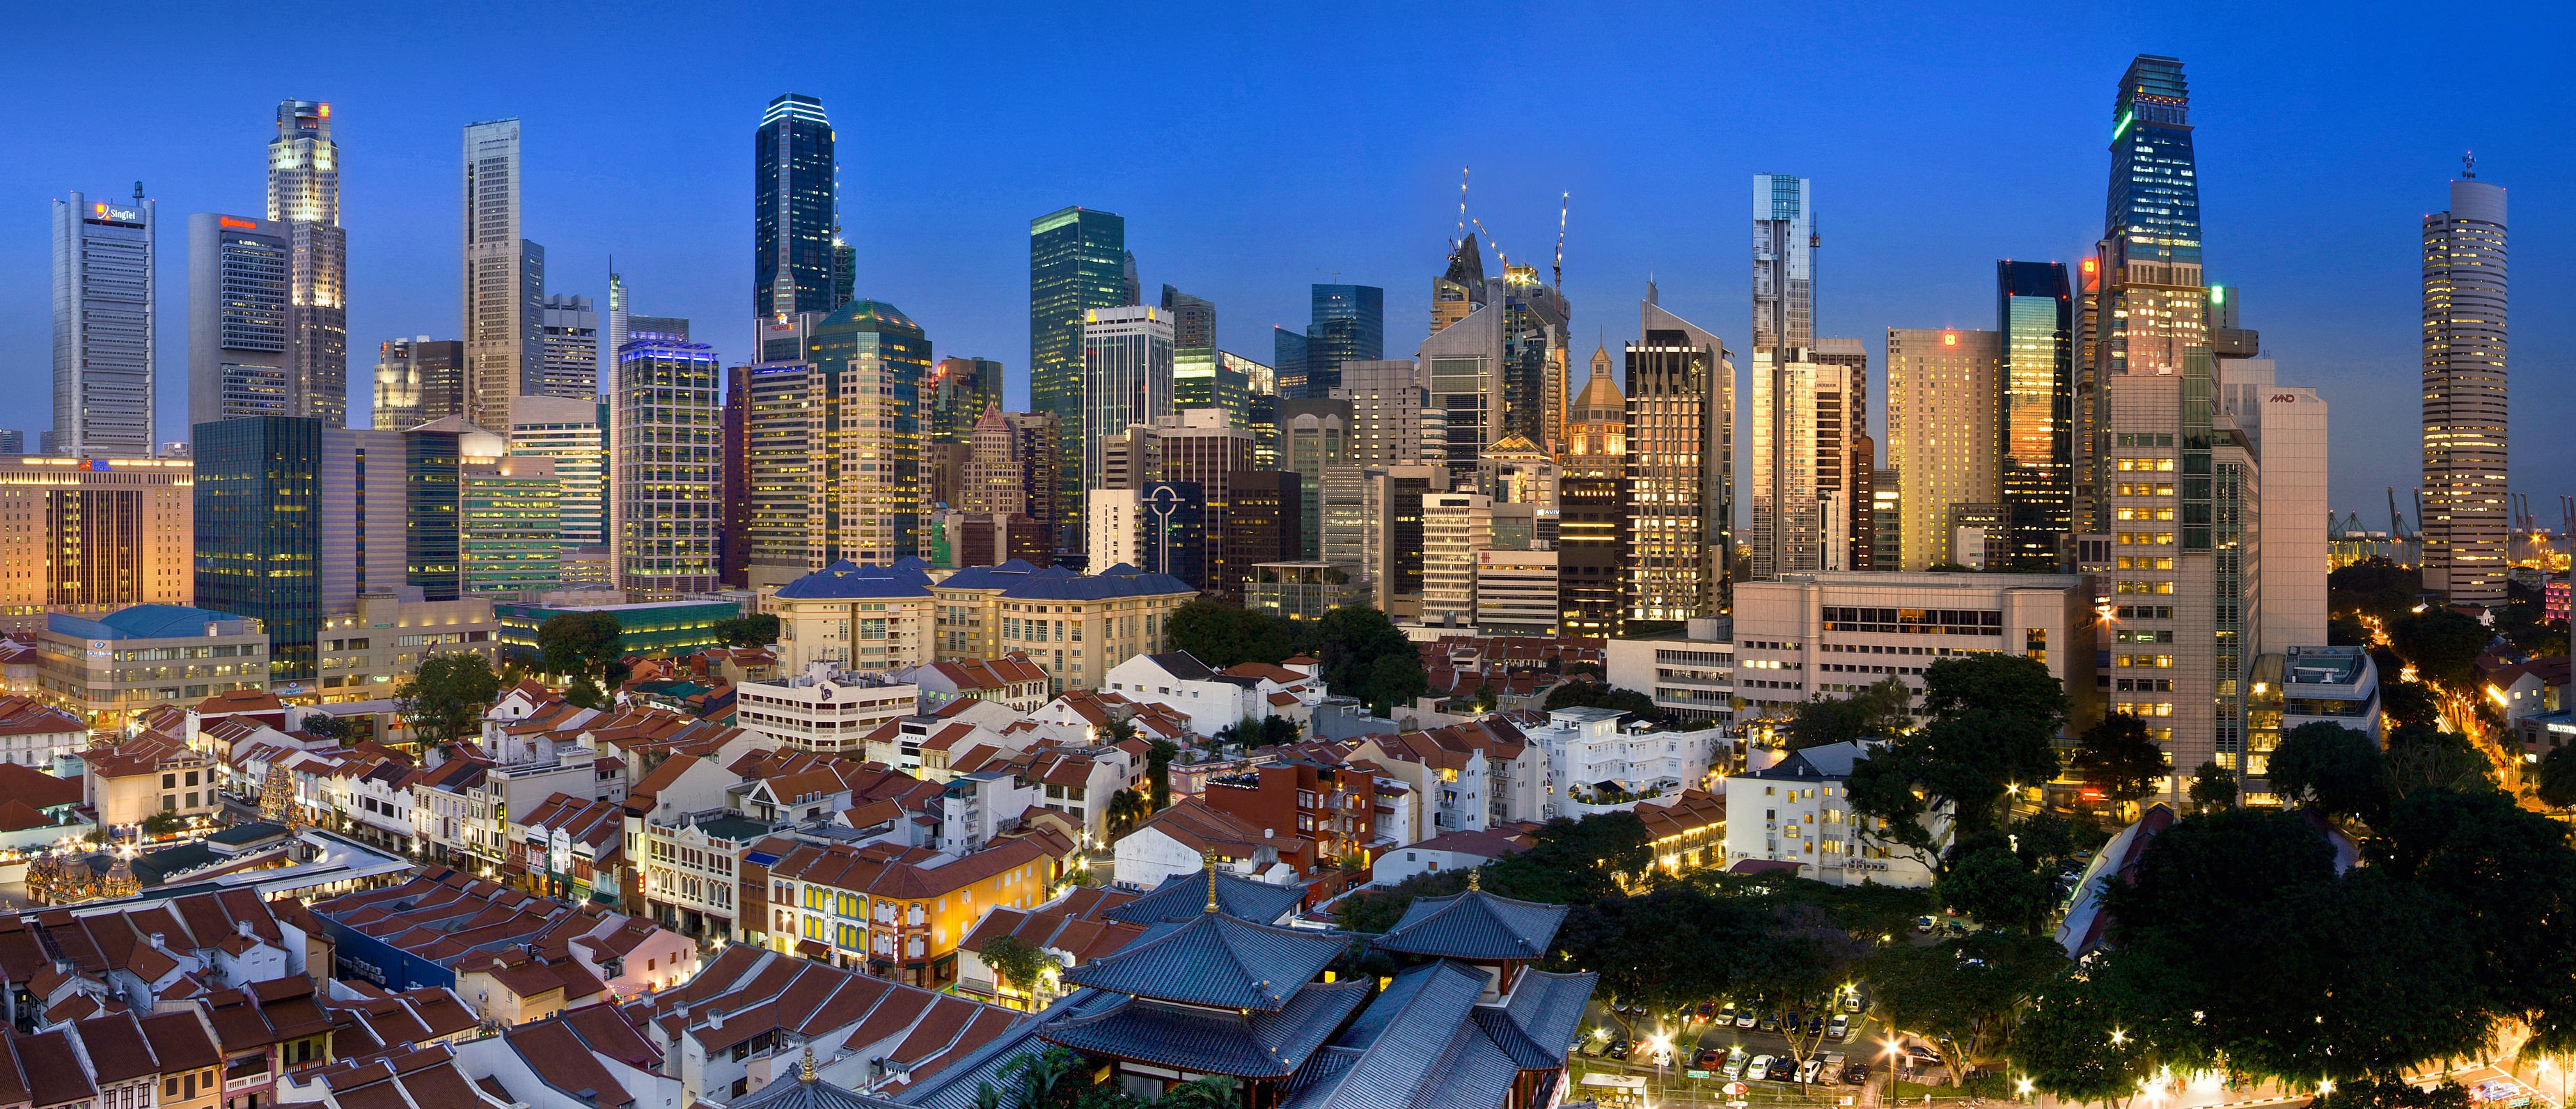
(1713, 1052)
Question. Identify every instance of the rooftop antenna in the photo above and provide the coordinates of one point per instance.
(2469, 164)
(138, 190)
(1562, 203)
(1337, 274)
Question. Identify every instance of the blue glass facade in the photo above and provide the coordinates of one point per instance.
(1172, 522)
(2154, 203)
(2035, 314)
(258, 504)
(1346, 323)
(1288, 351)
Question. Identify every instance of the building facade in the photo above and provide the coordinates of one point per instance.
(568, 431)
(304, 196)
(667, 469)
(1680, 497)
(1801, 488)
(86, 537)
(105, 295)
(2467, 540)
(1077, 263)
(795, 210)
(109, 670)
(505, 278)
(1126, 380)
(1830, 635)
(418, 380)
(1944, 393)
(241, 339)
(568, 349)
(2035, 337)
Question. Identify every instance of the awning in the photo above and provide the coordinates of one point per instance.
(813, 949)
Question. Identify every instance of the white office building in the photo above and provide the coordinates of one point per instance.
(505, 278)
(1516, 592)
(1833, 634)
(1126, 378)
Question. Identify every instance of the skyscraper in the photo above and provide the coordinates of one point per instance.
(304, 194)
(505, 278)
(1193, 320)
(567, 430)
(88, 540)
(1862, 455)
(1784, 263)
(616, 336)
(794, 210)
(418, 380)
(961, 391)
(1288, 353)
(104, 297)
(2466, 537)
(1314, 436)
(1801, 487)
(666, 483)
(1345, 323)
(1681, 469)
(1590, 539)
(1462, 361)
(241, 341)
(1077, 262)
(2035, 323)
(875, 361)
(568, 359)
(2149, 304)
(1535, 351)
(1944, 396)
(1126, 379)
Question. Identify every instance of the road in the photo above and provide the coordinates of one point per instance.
(1673, 1085)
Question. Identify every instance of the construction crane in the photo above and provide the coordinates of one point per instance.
(1462, 206)
(1489, 241)
(2396, 523)
(1562, 203)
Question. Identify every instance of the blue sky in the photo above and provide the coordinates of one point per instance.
(1255, 148)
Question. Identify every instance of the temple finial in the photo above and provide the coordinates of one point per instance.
(1476, 878)
(1211, 865)
(805, 1070)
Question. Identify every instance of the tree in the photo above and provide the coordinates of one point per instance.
(164, 823)
(2393, 1093)
(1963, 994)
(2213, 787)
(2558, 778)
(2008, 685)
(1223, 635)
(1126, 809)
(2406, 703)
(1352, 640)
(2076, 1044)
(2119, 756)
(756, 630)
(1592, 668)
(326, 726)
(2444, 646)
(1584, 694)
(1486, 697)
(1576, 862)
(1993, 886)
(1876, 711)
(1018, 964)
(2332, 767)
(1373, 911)
(582, 644)
(445, 697)
(1392, 680)
(1158, 770)
(2430, 758)
(2511, 875)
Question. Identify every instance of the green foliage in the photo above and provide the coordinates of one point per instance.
(2405, 703)
(2393, 1093)
(2016, 686)
(327, 726)
(164, 823)
(1963, 994)
(2119, 756)
(2336, 769)
(2076, 1045)
(2419, 757)
(1486, 697)
(1222, 635)
(2374, 587)
(2558, 778)
(1584, 694)
(1681, 944)
(1269, 731)
(1127, 808)
(756, 630)
(1995, 887)
(2048, 837)
(1158, 771)
(584, 693)
(1576, 862)
(1879, 710)
(1373, 911)
(2346, 633)
(2444, 645)
(1592, 668)
(1018, 964)
(1366, 656)
(444, 698)
(581, 644)
(2511, 876)
(2213, 787)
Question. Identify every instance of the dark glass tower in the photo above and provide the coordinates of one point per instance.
(2035, 314)
(794, 215)
(1347, 323)
(2144, 302)
(1288, 352)
(258, 501)
(1077, 262)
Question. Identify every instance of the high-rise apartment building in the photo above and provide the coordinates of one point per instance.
(1126, 380)
(241, 335)
(2466, 535)
(1784, 263)
(418, 380)
(2035, 329)
(1077, 263)
(666, 482)
(1345, 323)
(104, 299)
(795, 211)
(1800, 488)
(505, 278)
(961, 391)
(1944, 401)
(568, 348)
(2142, 303)
(304, 195)
(1681, 469)
(1591, 541)
(85, 538)
(568, 430)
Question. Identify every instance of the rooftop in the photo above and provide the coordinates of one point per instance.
(150, 622)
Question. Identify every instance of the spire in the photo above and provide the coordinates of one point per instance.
(1211, 867)
(805, 1070)
(1475, 879)
(1650, 289)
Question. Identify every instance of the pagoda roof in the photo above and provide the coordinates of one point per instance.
(1214, 959)
(1475, 926)
(1184, 895)
(1259, 1044)
(793, 1090)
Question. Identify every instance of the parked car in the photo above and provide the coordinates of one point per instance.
(1618, 1049)
(1706, 1008)
(1922, 924)
(1856, 1073)
(1851, 1001)
(1807, 1074)
(1833, 1066)
(1744, 1018)
(1726, 1014)
(1709, 1058)
(1759, 1069)
(1840, 1029)
(1815, 1024)
(1734, 1065)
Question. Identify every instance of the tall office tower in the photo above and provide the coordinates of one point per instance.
(1887, 520)
(1460, 289)
(509, 537)
(1590, 544)
(1346, 323)
(793, 210)
(1041, 456)
(1288, 351)
(666, 480)
(961, 391)
(568, 359)
(1680, 494)
(1535, 356)
(1202, 447)
(1126, 379)
(304, 194)
(1455, 526)
(2183, 504)
(2035, 319)
(505, 278)
(1862, 460)
(418, 380)
(1193, 320)
(1131, 291)
(1462, 368)
(845, 266)
(241, 341)
(567, 430)
(1784, 263)
(103, 326)
(616, 338)
(1077, 262)
(2286, 428)
(1201, 378)
(781, 440)
(1944, 399)
(1314, 436)
(658, 329)
(814, 501)
(1386, 412)
(2147, 304)
(13, 442)
(1355, 524)
(733, 538)
(993, 481)
(2466, 538)
(86, 540)
(1800, 489)
(1263, 520)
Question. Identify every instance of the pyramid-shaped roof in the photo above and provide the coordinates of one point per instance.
(1475, 926)
(1184, 895)
(1215, 959)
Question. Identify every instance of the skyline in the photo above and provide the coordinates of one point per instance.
(1221, 199)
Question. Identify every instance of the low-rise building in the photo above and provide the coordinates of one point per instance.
(849, 617)
(1690, 674)
(1834, 633)
(1013, 681)
(1798, 811)
(141, 778)
(824, 710)
(901, 912)
(644, 629)
(1074, 627)
(1597, 763)
(109, 670)
(367, 652)
(1448, 851)
(35, 734)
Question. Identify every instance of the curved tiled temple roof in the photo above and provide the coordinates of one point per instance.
(1475, 926)
(1214, 959)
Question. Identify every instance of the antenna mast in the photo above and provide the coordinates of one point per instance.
(1562, 203)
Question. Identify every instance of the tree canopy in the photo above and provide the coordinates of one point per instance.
(582, 644)
(759, 629)
(2336, 769)
(1364, 655)
(1576, 862)
(1580, 693)
(1963, 993)
(445, 697)
(2016, 686)
(2119, 757)
(1877, 711)
(2444, 645)
(2213, 786)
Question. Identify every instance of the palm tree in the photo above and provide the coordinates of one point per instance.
(1126, 807)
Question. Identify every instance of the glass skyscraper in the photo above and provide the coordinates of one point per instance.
(1077, 262)
(304, 194)
(259, 531)
(666, 479)
(2144, 303)
(1345, 323)
(794, 210)
(2035, 314)
(104, 302)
